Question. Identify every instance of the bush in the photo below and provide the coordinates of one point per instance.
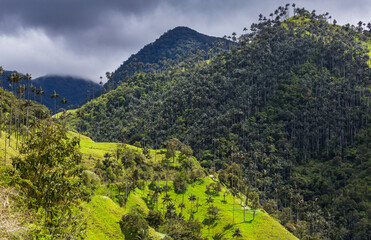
(133, 226)
(180, 229)
(154, 219)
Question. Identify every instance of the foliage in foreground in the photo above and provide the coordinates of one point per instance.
(48, 173)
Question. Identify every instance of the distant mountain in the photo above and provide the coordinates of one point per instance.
(172, 45)
(76, 90)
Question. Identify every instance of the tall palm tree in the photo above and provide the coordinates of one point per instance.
(64, 101)
(181, 206)
(237, 233)
(40, 92)
(101, 85)
(166, 199)
(28, 104)
(28, 77)
(192, 198)
(54, 96)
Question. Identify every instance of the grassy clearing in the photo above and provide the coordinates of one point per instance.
(102, 218)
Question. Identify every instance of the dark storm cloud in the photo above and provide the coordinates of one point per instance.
(89, 37)
(57, 15)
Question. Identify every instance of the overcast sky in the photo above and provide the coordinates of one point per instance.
(87, 38)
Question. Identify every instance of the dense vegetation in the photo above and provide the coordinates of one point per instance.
(289, 105)
(173, 47)
(56, 184)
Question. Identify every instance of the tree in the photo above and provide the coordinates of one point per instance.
(49, 176)
(170, 211)
(54, 96)
(133, 226)
(40, 92)
(237, 233)
(180, 182)
(166, 199)
(64, 101)
(192, 198)
(154, 219)
(254, 198)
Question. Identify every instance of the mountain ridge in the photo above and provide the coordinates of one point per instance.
(173, 45)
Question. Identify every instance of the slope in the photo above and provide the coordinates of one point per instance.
(274, 112)
(105, 212)
(173, 46)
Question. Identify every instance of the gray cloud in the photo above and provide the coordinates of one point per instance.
(89, 37)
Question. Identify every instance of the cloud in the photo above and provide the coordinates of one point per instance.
(89, 37)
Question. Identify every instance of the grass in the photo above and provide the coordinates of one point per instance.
(11, 150)
(103, 213)
(262, 227)
(94, 151)
(103, 216)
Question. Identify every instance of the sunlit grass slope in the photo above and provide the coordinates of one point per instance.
(94, 151)
(103, 216)
(262, 227)
(11, 150)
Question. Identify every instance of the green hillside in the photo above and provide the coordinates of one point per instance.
(103, 214)
(267, 140)
(291, 98)
(170, 49)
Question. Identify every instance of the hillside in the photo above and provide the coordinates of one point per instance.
(280, 115)
(103, 211)
(172, 47)
(76, 91)
(269, 139)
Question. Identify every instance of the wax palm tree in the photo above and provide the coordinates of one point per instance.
(28, 104)
(64, 101)
(237, 233)
(40, 92)
(28, 77)
(166, 199)
(209, 200)
(192, 198)
(181, 206)
(54, 96)
(170, 211)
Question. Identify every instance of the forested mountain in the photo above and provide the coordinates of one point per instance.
(172, 47)
(56, 184)
(289, 104)
(76, 91)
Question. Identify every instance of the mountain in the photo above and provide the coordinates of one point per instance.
(289, 105)
(75, 90)
(174, 45)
